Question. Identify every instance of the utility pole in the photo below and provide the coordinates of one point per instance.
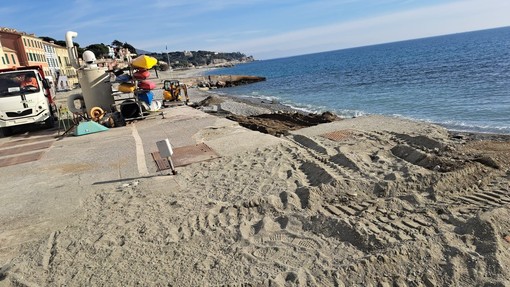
(167, 57)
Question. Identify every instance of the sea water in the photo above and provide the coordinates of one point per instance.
(460, 81)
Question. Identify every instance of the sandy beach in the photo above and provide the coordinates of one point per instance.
(368, 201)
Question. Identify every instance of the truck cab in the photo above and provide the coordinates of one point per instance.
(25, 98)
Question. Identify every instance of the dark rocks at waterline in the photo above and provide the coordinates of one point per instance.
(224, 81)
(281, 123)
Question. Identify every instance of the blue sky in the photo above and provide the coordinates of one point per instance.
(262, 28)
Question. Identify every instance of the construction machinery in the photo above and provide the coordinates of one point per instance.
(173, 92)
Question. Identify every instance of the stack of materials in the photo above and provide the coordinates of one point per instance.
(126, 85)
(142, 64)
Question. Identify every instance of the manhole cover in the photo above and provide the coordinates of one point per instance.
(185, 155)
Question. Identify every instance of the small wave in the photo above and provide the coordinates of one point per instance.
(347, 113)
(466, 127)
(460, 126)
(305, 108)
(256, 95)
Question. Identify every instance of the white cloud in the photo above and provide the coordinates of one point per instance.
(442, 19)
(192, 25)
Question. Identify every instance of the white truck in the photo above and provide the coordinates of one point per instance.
(25, 98)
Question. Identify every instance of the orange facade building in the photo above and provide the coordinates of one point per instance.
(29, 49)
(23, 49)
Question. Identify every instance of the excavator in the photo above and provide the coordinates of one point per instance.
(173, 91)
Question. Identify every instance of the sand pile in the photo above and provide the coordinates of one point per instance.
(365, 206)
(371, 201)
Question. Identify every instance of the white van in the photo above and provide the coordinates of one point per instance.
(25, 98)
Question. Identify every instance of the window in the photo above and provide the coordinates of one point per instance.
(3, 60)
(13, 60)
(25, 41)
(7, 59)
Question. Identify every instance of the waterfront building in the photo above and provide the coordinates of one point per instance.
(9, 58)
(28, 48)
(24, 49)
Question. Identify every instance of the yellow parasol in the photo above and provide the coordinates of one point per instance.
(144, 62)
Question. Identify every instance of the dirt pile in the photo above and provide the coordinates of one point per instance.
(362, 208)
(370, 201)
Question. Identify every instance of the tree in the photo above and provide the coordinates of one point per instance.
(100, 50)
(117, 43)
(47, 39)
(129, 47)
(57, 42)
(63, 43)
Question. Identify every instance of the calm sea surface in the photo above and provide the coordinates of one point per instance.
(460, 81)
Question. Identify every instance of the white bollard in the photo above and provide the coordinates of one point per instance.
(165, 150)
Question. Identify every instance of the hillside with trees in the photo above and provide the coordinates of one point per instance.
(201, 58)
(175, 60)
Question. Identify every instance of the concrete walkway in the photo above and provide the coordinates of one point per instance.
(40, 196)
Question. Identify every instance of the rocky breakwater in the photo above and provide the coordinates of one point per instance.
(221, 81)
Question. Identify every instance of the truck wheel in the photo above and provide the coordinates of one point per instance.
(5, 132)
(49, 122)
